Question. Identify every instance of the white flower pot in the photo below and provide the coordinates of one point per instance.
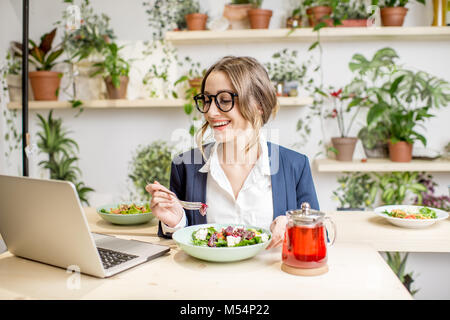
(14, 82)
(88, 88)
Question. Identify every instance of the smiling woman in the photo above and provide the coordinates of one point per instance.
(243, 178)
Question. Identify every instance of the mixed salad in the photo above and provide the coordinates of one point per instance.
(128, 209)
(228, 237)
(422, 213)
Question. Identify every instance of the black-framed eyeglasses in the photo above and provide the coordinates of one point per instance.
(224, 101)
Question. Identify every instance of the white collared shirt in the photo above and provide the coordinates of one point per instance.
(253, 205)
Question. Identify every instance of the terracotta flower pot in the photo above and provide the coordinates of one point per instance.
(316, 14)
(45, 84)
(293, 22)
(400, 151)
(196, 21)
(196, 83)
(345, 147)
(117, 93)
(237, 15)
(353, 23)
(393, 17)
(259, 18)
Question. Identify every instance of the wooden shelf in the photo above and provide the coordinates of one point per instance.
(101, 104)
(381, 165)
(308, 35)
(142, 103)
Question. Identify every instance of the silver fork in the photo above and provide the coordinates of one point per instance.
(201, 207)
(193, 205)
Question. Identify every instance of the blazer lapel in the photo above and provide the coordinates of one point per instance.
(278, 180)
(198, 189)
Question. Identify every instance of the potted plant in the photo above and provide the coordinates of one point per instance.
(356, 191)
(393, 12)
(13, 76)
(352, 14)
(84, 43)
(259, 18)
(44, 82)
(114, 70)
(285, 72)
(295, 19)
(344, 145)
(397, 262)
(163, 16)
(374, 140)
(61, 150)
(236, 13)
(319, 11)
(195, 19)
(149, 163)
(403, 103)
(399, 99)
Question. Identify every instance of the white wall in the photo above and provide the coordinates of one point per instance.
(107, 138)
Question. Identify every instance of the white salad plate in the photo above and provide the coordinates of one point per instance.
(410, 223)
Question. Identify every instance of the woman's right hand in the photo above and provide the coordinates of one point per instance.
(164, 204)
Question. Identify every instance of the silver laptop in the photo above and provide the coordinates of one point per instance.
(43, 220)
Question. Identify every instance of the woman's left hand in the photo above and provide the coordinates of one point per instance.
(278, 228)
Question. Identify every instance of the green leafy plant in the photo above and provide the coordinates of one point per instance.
(373, 137)
(284, 66)
(395, 187)
(150, 163)
(92, 36)
(316, 3)
(257, 3)
(356, 190)
(398, 97)
(42, 56)
(113, 65)
(13, 63)
(393, 3)
(61, 150)
(187, 7)
(12, 135)
(396, 103)
(397, 262)
(351, 10)
(194, 72)
(168, 15)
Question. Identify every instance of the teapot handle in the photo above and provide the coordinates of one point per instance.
(330, 243)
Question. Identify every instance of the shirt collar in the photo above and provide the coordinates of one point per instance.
(262, 164)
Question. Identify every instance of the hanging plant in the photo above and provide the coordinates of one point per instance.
(12, 136)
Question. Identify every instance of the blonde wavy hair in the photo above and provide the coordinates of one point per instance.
(257, 95)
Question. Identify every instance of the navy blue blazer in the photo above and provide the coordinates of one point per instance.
(291, 178)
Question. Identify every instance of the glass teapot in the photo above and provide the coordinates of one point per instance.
(306, 238)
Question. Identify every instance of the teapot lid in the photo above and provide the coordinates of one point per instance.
(306, 215)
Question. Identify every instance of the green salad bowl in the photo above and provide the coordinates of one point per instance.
(124, 219)
(183, 238)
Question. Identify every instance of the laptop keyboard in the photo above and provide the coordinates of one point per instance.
(111, 258)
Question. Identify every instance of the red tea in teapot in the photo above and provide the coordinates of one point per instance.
(305, 247)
